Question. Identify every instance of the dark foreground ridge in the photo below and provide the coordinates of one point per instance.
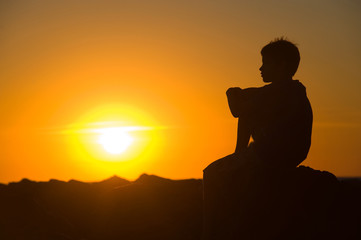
(304, 204)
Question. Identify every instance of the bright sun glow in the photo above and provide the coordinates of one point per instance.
(113, 134)
(114, 140)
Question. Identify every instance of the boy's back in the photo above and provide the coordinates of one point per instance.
(280, 120)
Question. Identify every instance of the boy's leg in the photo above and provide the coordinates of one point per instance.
(217, 195)
(243, 135)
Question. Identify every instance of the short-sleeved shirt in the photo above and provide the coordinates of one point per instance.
(280, 118)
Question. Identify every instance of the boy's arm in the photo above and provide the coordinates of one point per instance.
(234, 98)
(238, 98)
(243, 135)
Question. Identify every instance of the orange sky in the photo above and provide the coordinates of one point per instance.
(68, 65)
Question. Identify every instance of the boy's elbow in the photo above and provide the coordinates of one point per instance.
(235, 113)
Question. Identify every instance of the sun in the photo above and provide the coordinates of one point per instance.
(114, 140)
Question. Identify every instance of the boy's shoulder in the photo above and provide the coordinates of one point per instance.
(291, 87)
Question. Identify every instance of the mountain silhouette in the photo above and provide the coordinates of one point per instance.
(112, 182)
(152, 207)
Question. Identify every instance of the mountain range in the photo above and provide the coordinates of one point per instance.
(150, 207)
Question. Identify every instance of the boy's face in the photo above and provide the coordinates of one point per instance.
(271, 70)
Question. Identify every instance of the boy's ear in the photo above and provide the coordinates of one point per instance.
(283, 67)
(283, 64)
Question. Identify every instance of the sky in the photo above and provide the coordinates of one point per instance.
(70, 69)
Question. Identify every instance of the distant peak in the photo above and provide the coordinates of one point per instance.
(146, 178)
(75, 181)
(26, 180)
(114, 181)
(55, 181)
(114, 177)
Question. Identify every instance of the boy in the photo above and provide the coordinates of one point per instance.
(278, 116)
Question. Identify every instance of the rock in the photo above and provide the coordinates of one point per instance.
(270, 203)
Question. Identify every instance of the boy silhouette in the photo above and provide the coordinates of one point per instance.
(278, 116)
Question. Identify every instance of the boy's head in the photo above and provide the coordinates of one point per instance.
(280, 59)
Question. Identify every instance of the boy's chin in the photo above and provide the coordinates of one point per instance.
(266, 80)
